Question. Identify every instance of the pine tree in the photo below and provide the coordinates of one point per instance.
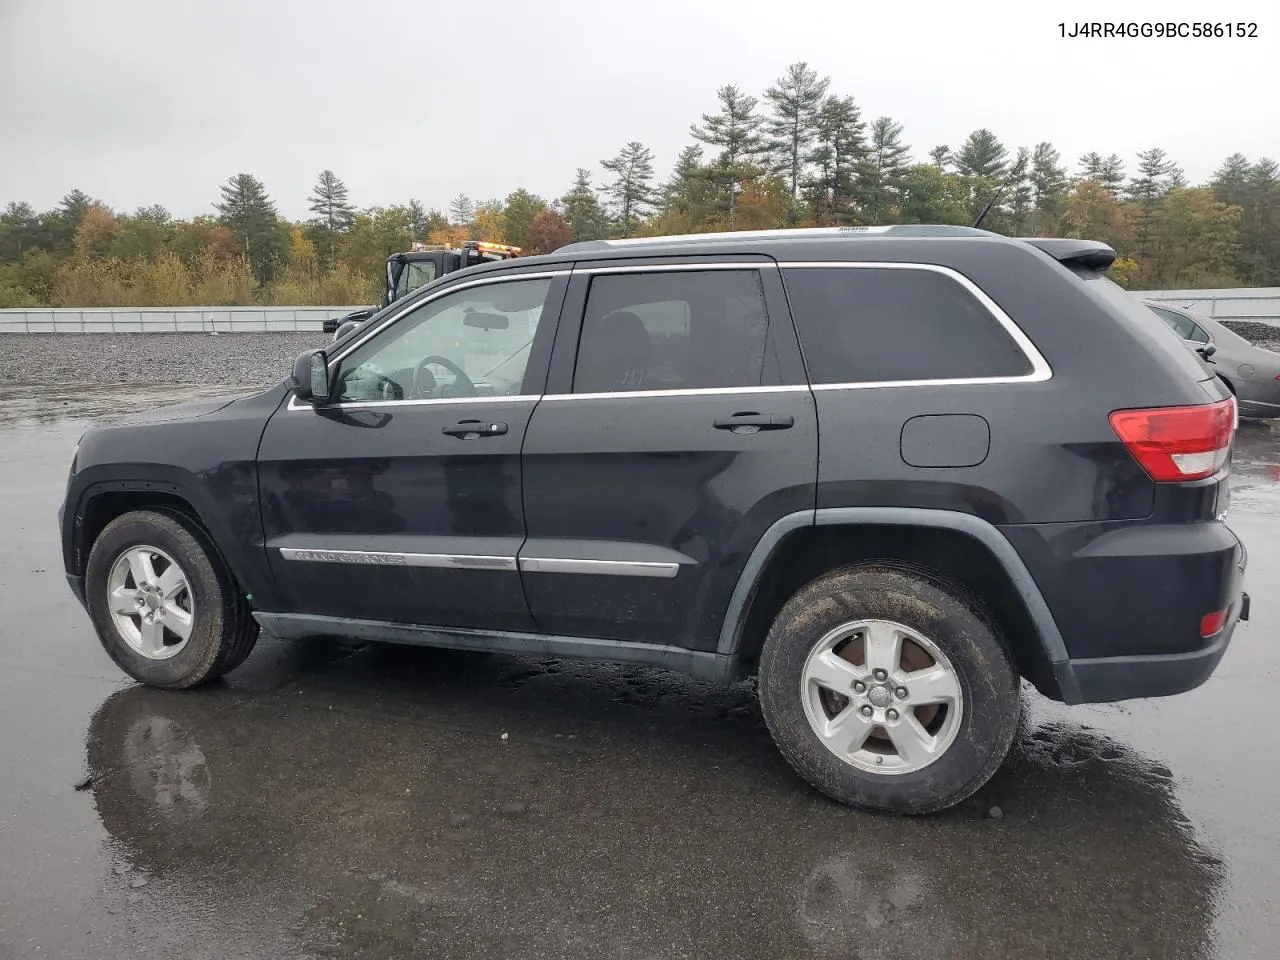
(1091, 166)
(461, 210)
(792, 129)
(1154, 179)
(632, 191)
(331, 203)
(736, 131)
(839, 151)
(1259, 250)
(518, 213)
(247, 211)
(689, 196)
(1048, 188)
(1157, 175)
(1230, 182)
(582, 210)
(940, 156)
(1021, 193)
(880, 174)
(417, 220)
(983, 163)
(1111, 175)
(982, 156)
(75, 205)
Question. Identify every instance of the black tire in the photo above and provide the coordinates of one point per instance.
(224, 630)
(947, 616)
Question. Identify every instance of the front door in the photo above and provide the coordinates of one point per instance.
(684, 428)
(400, 500)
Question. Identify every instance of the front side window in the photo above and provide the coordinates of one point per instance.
(672, 331)
(474, 342)
(882, 324)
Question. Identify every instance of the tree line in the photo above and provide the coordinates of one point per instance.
(798, 155)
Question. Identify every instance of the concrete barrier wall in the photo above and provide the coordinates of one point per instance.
(1254, 304)
(169, 319)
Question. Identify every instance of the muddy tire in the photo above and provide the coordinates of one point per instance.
(888, 688)
(164, 605)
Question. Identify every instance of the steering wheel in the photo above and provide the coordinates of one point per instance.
(462, 385)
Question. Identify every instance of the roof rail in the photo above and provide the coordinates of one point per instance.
(1085, 253)
(796, 233)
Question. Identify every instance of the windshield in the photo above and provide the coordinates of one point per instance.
(416, 273)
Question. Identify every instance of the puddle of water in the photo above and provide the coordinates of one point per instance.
(28, 404)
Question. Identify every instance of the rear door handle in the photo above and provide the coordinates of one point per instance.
(755, 422)
(470, 429)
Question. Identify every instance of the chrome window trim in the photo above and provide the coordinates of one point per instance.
(1040, 369)
(433, 401)
(683, 392)
(672, 267)
(385, 558)
(616, 568)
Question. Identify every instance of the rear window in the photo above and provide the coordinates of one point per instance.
(878, 324)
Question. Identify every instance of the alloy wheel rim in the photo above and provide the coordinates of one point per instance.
(151, 602)
(881, 696)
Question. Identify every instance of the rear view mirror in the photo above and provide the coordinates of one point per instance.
(1207, 351)
(486, 321)
(311, 376)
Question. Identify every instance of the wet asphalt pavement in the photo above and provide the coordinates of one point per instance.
(332, 800)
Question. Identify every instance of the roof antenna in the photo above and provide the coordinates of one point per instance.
(1013, 174)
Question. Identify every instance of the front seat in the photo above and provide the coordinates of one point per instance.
(613, 354)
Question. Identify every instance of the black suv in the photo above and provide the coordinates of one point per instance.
(887, 470)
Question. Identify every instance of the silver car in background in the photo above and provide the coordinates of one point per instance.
(1252, 373)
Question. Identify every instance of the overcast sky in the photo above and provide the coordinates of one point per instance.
(160, 101)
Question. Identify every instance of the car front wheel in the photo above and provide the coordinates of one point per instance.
(889, 689)
(163, 602)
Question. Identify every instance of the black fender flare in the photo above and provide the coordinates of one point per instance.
(1048, 634)
(168, 480)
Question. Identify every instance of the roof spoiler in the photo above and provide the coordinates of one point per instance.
(1084, 253)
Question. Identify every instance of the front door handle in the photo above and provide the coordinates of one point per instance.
(470, 429)
(755, 422)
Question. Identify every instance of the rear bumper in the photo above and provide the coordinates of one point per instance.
(1128, 600)
(1104, 679)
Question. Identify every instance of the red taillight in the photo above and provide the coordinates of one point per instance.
(1178, 443)
(1212, 623)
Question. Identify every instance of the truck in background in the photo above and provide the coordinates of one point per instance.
(415, 268)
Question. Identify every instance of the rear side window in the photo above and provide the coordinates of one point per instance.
(878, 324)
(680, 330)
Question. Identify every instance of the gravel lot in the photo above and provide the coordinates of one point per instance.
(1262, 334)
(234, 359)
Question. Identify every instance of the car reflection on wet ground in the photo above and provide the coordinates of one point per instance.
(334, 799)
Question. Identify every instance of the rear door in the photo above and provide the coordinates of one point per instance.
(400, 500)
(677, 427)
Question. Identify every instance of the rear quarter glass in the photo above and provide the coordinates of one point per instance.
(1149, 329)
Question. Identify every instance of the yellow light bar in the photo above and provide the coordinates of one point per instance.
(487, 247)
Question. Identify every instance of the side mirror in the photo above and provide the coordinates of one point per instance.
(311, 376)
(1207, 351)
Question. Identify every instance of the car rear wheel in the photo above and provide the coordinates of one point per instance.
(163, 602)
(888, 688)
